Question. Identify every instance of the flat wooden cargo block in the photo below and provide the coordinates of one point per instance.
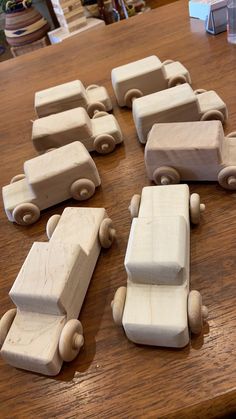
(50, 289)
(178, 104)
(191, 151)
(146, 76)
(72, 95)
(48, 179)
(101, 133)
(156, 307)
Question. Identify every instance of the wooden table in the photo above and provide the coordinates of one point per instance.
(113, 377)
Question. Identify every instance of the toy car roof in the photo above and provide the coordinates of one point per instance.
(60, 92)
(137, 68)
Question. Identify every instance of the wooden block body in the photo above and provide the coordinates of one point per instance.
(177, 104)
(157, 264)
(50, 290)
(67, 96)
(148, 75)
(72, 125)
(49, 178)
(194, 149)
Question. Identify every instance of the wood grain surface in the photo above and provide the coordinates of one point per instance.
(113, 377)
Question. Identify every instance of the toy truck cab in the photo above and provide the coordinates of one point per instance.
(146, 76)
(72, 95)
(157, 307)
(51, 178)
(191, 151)
(178, 104)
(100, 134)
(50, 289)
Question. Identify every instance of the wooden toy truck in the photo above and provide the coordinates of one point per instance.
(100, 134)
(191, 151)
(146, 76)
(178, 104)
(156, 307)
(66, 172)
(72, 95)
(43, 331)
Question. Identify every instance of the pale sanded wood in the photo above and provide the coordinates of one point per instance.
(177, 104)
(50, 289)
(148, 75)
(49, 177)
(73, 125)
(67, 96)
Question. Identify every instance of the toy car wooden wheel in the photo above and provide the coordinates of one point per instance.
(96, 106)
(51, 225)
(131, 95)
(99, 114)
(104, 143)
(82, 189)
(231, 135)
(197, 313)
(107, 233)
(134, 205)
(91, 86)
(118, 304)
(166, 176)
(17, 177)
(174, 81)
(71, 340)
(26, 214)
(227, 178)
(213, 115)
(199, 91)
(5, 324)
(166, 62)
(195, 208)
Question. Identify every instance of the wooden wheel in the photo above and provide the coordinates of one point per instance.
(227, 178)
(195, 208)
(91, 86)
(5, 324)
(82, 189)
(166, 175)
(131, 95)
(26, 214)
(134, 205)
(231, 135)
(17, 177)
(71, 340)
(104, 143)
(51, 225)
(197, 313)
(99, 114)
(175, 81)
(118, 304)
(96, 106)
(199, 91)
(166, 62)
(107, 233)
(213, 115)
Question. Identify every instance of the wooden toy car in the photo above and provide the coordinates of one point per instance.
(100, 134)
(146, 76)
(72, 95)
(66, 172)
(50, 289)
(157, 308)
(178, 104)
(188, 151)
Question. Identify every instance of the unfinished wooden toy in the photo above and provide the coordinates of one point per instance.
(100, 134)
(178, 104)
(157, 308)
(188, 151)
(146, 76)
(43, 331)
(72, 95)
(63, 173)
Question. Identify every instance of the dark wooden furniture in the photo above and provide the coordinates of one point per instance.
(112, 377)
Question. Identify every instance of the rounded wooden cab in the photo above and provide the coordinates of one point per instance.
(25, 26)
